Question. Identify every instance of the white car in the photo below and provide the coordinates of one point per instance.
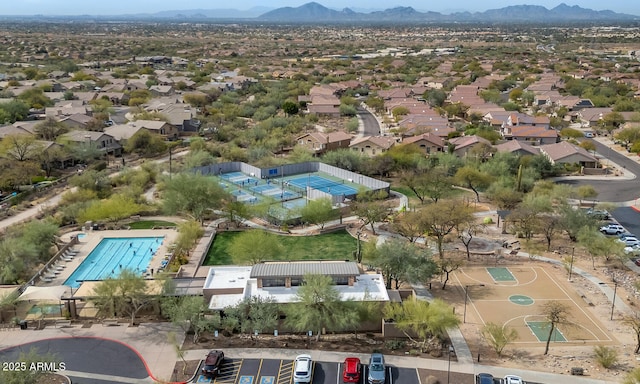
(612, 229)
(630, 241)
(512, 379)
(302, 369)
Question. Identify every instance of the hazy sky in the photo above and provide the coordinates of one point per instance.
(111, 7)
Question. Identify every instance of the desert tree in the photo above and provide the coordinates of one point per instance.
(318, 306)
(193, 195)
(556, 313)
(473, 179)
(467, 232)
(260, 314)
(447, 266)
(370, 212)
(633, 321)
(318, 212)
(401, 262)
(407, 225)
(498, 336)
(426, 319)
(440, 219)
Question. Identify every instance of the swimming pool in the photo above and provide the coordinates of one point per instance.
(114, 254)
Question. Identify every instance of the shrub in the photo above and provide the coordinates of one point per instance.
(395, 344)
(605, 356)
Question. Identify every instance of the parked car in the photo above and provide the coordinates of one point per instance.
(612, 229)
(351, 370)
(212, 363)
(637, 262)
(588, 135)
(630, 241)
(632, 251)
(599, 214)
(512, 379)
(484, 378)
(302, 368)
(625, 235)
(377, 370)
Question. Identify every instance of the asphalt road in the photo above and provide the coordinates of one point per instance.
(611, 190)
(628, 218)
(98, 358)
(369, 121)
(271, 371)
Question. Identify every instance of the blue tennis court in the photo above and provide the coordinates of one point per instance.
(239, 178)
(332, 187)
(114, 254)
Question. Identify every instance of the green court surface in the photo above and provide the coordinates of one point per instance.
(501, 274)
(541, 330)
(521, 300)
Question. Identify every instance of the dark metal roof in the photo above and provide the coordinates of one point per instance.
(299, 269)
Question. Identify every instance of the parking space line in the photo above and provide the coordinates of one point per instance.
(259, 368)
(338, 375)
(285, 373)
(390, 376)
(229, 372)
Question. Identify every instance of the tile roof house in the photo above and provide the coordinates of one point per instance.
(372, 145)
(428, 142)
(530, 133)
(517, 147)
(76, 121)
(566, 153)
(320, 143)
(464, 144)
(592, 116)
(103, 141)
(158, 127)
(414, 124)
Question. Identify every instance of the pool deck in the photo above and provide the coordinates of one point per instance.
(64, 269)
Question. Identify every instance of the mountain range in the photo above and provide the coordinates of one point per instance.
(315, 13)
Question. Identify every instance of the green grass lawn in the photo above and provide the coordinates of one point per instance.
(148, 224)
(331, 246)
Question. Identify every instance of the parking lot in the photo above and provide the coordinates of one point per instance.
(271, 371)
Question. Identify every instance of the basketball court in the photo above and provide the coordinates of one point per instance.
(514, 296)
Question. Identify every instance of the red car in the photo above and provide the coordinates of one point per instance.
(351, 370)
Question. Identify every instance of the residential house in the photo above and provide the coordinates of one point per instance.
(102, 141)
(464, 144)
(428, 142)
(161, 90)
(592, 117)
(415, 124)
(566, 153)
(19, 128)
(76, 121)
(517, 147)
(372, 145)
(159, 127)
(122, 132)
(533, 134)
(320, 143)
